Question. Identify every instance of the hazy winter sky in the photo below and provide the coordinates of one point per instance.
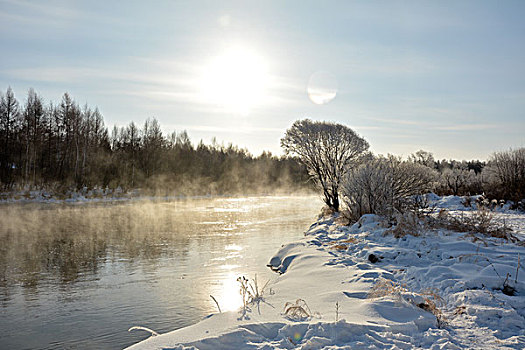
(444, 76)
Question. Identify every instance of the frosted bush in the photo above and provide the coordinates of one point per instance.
(386, 186)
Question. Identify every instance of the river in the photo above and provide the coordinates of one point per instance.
(78, 276)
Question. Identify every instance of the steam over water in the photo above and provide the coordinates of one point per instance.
(78, 276)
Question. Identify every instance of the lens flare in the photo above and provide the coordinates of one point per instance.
(322, 87)
(297, 337)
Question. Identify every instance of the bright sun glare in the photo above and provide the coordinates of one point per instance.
(236, 80)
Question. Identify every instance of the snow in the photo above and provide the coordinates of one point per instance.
(332, 272)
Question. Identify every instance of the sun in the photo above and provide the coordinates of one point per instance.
(236, 79)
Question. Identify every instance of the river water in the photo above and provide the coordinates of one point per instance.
(78, 276)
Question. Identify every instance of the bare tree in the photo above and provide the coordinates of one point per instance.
(152, 146)
(328, 151)
(9, 127)
(32, 130)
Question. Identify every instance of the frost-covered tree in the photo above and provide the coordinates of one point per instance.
(423, 157)
(328, 151)
(506, 172)
(457, 180)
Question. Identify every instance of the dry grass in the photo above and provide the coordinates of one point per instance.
(216, 303)
(342, 244)
(480, 221)
(350, 240)
(326, 212)
(407, 224)
(475, 222)
(250, 291)
(433, 304)
(340, 247)
(460, 310)
(385, 287)
(297, 311)
(343, 220)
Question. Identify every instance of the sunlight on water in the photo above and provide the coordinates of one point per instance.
(233, 247)
(229, 297)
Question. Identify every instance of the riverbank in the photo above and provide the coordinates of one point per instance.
(118, 195)
(348, 287)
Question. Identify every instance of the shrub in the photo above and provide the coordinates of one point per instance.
(386, 186)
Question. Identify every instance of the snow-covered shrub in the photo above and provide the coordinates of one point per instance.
(386, 186)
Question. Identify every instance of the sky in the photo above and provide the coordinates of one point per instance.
(444, 76)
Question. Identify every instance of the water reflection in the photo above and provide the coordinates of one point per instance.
(80, 275)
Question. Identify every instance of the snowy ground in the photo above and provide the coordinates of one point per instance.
(360, 288)
(84, 195)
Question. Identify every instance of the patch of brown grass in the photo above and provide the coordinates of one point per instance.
(342, 244)
(384, 287)
(480, 221)
(350, 240)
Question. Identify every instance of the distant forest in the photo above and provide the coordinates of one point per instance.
(64, 146)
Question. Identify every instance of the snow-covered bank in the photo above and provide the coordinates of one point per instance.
(70, 196)
(73, 197)
(355, 287)
(117, 195)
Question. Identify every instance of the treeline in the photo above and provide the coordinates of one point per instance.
(340, 164)
(501, 177)
(65, 146)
